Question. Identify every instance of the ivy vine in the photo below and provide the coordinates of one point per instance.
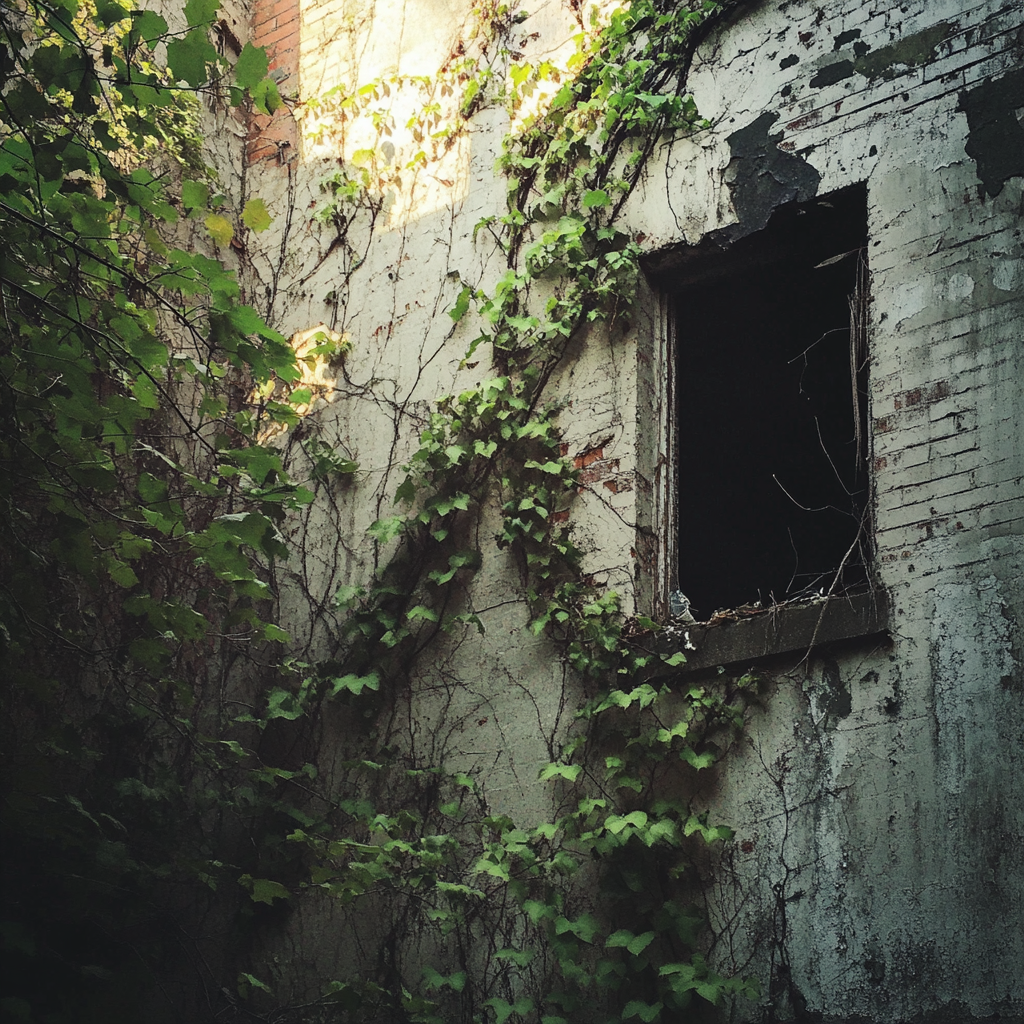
(568, 174)
(162, 763)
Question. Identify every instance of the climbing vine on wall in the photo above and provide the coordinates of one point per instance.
(554, 951)
(166, 767)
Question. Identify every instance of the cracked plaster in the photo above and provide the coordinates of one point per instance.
(878, 868)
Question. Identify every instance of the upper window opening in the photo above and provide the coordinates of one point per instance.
(772, 452)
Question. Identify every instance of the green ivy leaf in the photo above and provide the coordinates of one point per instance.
(194, 195)
(435, 981)
(283, 704)
(246, 980)
(345, 596)
(122, 574)
(201, 13)
(710, 990)
(421, 611)
(455, 453)
(251, 66)
(265, 890)
(266, 97)
(406, 491)
(570, 772)
(645, 1011)
(385, 530)
(699, 761)
(188, 56)
(458, 311)
(584, 927)
(148, 25)
(220, 229)
(639, 943)
(109, 13)
(520, 957)
(503, 1009)
(458, 502)
(354, 684)
(665, 830)
(616, 824)
(256, 215)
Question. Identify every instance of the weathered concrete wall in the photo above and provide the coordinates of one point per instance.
(878, 864)
(383, 278)
(878, 868)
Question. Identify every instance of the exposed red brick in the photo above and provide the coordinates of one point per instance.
(922, 395)
(280, 38)
(586, 458)
(272, 137)
(275, 24)
(260, 29)
(804, 122)
(597, 472)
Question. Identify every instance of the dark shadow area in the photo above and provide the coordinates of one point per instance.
(772, 479)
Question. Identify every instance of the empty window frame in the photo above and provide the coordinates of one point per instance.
(771, 441)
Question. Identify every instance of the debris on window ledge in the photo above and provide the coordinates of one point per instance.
(739, 636)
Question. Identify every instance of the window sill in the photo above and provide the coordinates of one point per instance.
(741, 641)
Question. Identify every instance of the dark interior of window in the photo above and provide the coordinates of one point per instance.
(772, 409)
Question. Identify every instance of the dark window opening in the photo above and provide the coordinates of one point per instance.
(772, 443)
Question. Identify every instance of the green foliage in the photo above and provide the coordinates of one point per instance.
(143, 520)
(637, 956)
(140, 512)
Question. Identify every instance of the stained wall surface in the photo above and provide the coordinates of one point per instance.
(878, 795)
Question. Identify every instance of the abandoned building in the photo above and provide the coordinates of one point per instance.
(813, 426)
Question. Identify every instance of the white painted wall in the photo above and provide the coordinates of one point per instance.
(878, 868)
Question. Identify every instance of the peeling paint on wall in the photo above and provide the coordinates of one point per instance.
(762, 177)
(831, 699)
(887, 62)
(832, 73)
(910, 52)
(996, 139)
(972, 656)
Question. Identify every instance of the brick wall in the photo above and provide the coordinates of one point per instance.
(276, 24)
(880, 836)
(948, 388)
